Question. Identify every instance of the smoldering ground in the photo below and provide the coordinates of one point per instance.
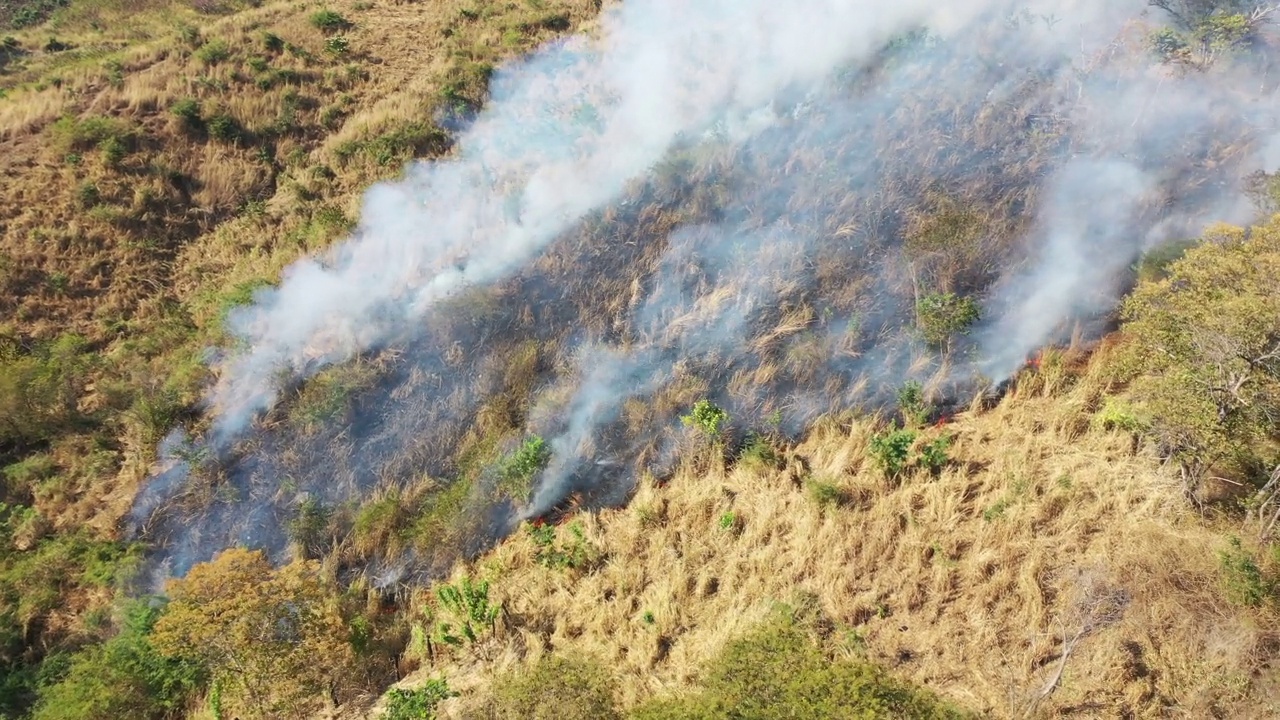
(732, 201)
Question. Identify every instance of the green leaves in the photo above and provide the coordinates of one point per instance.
(707, 417)
(940, 316)
(467, 604)
(1204, 351)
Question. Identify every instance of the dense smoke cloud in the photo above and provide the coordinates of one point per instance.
(735, 200)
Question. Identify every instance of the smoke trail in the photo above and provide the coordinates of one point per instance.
(663, 68)
(726, 200)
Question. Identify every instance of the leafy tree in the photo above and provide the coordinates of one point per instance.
(1205, 351)
(273, 638)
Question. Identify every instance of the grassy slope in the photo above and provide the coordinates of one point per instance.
(964, 582)
(975, 564)
(131, 226)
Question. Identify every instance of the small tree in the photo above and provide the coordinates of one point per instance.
(1205, 352)
(274, 640)
(467, 604)
(707, 417)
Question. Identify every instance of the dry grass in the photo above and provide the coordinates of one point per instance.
(965, 582)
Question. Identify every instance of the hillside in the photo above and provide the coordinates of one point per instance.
(968, 581)
(654, 360)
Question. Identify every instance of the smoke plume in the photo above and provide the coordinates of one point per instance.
(744, 201)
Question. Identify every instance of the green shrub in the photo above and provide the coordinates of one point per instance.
(272, 42)
(419, 703)
(21, 476)
(940, 316)
(329, 21)
(1118, 414)
(87, 194)
(82, 134)
(778, 672)
(1243, 580)
(517, 470)
(337, 45)
(729, 521)
(467, 605)
(891, 450)
(224, 127)
(113, 151)
(933, 455)
(40, 391)
(826, 494)
(213, 52)
(309, 526)
(707, 417)
(911, 403)
(1155, 263)
(123, 678)
(188, 110)
(558, 688)
(577, 553)
(759, 452)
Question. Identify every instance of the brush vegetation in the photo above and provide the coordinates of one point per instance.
(1101, 541)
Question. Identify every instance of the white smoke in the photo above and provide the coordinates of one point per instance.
(662, 69)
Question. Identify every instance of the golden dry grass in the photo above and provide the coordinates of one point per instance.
(964, 582)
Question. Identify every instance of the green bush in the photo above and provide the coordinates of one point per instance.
(329, 21)
(188, 110)
(911, 403)
(123, 678)
(1118, 414)
(517, 470)
(1243, 580)
(272, 42)
(826, 494)
(941, 316)
(337, 45)
(113, 151)
(933, 456)
(40, 391)
(1155, 263)
(467, 604)
(577, 553)
(72, 134)
(778, 672)
(891, 450)
(558, 688)
(707, 417)
(224, 127)
(213, 52)
(759, 452)
(419, 703)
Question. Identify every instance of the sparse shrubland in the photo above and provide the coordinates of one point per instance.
(824, 521)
